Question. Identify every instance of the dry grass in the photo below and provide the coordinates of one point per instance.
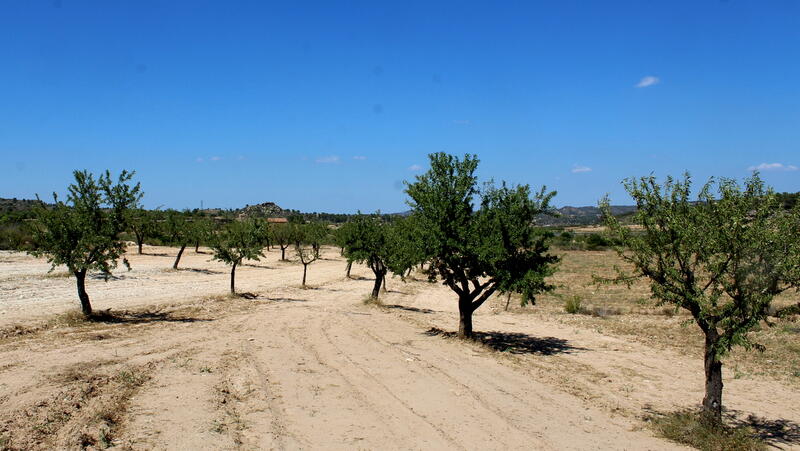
(86, 413)
(694, 429)
(633, 314)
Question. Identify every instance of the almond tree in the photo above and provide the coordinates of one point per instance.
(143, 225)
(238, 241)
(83, 233)
(366, 242)
(308, 243)
(479, 252)
(285, 235)
(178, 230)
(723, 257)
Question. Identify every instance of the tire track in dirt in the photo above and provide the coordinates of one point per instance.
(427, 365)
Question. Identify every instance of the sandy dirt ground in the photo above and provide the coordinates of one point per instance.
(180, 365)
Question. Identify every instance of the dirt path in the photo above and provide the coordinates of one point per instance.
(316, 369)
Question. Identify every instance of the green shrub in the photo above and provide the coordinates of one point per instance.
(573, 305)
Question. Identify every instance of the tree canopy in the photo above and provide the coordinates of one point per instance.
(723, 257)
(477, 253)
(83, 232)
(238, 241)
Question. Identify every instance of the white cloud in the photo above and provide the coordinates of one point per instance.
(328, 160)
(360, 157)
(415, 167)
(200, 160)
(215, 158)
(648, 81)
(773, 167)
(577, 169)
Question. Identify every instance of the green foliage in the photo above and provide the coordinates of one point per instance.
(82, 234)
(308, 239)
(366, 242)
(406, 247)
(143, 224)
(476, 253)
(178, 229)
(238, 241)
(573, 305)
(285, 235)
(723, 257)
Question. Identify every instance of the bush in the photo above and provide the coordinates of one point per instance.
(573, 305)
(596, 242)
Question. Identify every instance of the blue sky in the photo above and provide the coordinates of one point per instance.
(329, 106)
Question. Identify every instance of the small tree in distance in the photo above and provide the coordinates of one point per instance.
(238, 241)
(143, 225)
(83, 234)
(285, 235)
(307, 244)
(366, 243)
(178, 230)
(476, 253)
(723, 258)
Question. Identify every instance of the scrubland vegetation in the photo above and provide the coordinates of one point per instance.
(717, 272)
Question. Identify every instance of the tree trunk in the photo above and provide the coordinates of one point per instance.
(349, 267)
(233, 278)
(712, 402)
(197, 247)
(283, 253)
(139, 241)
(380, 279)
(86, 306)
(508, 300)
(178, 258)
(464, 317)
(376, 289)
(305, 270)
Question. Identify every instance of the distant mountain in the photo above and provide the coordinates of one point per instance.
(263, 210)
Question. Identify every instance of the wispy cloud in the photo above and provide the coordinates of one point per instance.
(773, 167)
(200, 160)
(415, 168)
(462, 121)
(328, 160)
(577, 169)
(648, 81)
(215, 158)
(360, 157)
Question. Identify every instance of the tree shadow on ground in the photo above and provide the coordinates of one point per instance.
(515, 342)
(157, 254)
(410, 309)
(200, 271)
(128, 317)
(286, 300)
(775, 432)
(255, 265)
